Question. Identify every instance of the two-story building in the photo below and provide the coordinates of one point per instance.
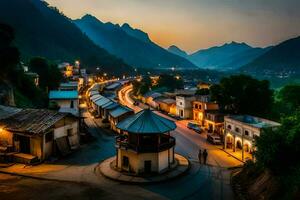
(201, 106)
(241, 131)
(184, 106)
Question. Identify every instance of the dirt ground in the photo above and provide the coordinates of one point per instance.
(15, 188)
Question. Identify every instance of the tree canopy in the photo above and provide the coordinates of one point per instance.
(242, 94)
(170, 82)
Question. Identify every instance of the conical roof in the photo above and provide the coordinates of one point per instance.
(146, 122)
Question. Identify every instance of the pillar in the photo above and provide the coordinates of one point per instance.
(234, 143)
(242, 148)
(225, 141)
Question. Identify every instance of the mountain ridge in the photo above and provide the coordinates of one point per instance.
(136, 50)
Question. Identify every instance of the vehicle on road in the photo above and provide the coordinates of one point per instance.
(174, 116)
(194, 127)
(214, 139)
(136, 103)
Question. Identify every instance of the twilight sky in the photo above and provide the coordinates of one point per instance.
(196, 24)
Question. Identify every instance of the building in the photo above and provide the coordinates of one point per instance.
(118, 114)
(70, 86)
(201, 106)
(167, 105)
(149, 98)
(203, 85)
(241, 131)
(214, 122)
(145, 145)
(31, 135)
(184, 106)
(68, 101)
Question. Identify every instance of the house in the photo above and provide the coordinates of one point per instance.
(68, 101)
(149, 98)
(167, 105)
(242, 130)
(214, 122)
(203, 85)
(201, 106)
(30, 135)
(70, 86)
(184, 106)
(145, 145)
(118, 114)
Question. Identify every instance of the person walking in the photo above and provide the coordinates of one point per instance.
(205, 154)
(199, 156)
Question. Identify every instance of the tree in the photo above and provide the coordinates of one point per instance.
(290, 96)
(242, 94)
(278, 150)
(203, 91)
(170, 82)
(49, 75)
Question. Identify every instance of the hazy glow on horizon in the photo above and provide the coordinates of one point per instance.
(196, 24)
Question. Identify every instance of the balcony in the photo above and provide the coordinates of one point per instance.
(166, 143)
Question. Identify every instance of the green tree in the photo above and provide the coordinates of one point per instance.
(49, 75)
(242, 94)
(278, 150)
(290, 95)
(203, 91)
(170, 82)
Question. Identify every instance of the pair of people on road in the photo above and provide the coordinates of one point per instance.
(204, 154)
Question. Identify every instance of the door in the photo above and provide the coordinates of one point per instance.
(24, 144)
(147, 166)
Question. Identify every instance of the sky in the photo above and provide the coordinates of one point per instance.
(196, 24)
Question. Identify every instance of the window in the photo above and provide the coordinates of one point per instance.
(49, 137)
(247, 133)
(70, 132)
(237, 130)
(72, 104)
(196, 106)
(229, 127)
(180, 103)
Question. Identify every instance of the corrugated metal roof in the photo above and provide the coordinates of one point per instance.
(56, 94)
(102, 101)
(6, 111)
(107, 105)
(146, 122)
(112, 106)
(119, 111)
(32, 121)
(69, 84)
(96, 96)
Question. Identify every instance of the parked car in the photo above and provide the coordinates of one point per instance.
(194, 127)
(214, 139)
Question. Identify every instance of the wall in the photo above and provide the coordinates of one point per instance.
(36, 146)
(136, 161)
(61, 131)
(163, 162)
(6, 138)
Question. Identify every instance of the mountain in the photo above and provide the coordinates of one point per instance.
(281, 58)
(132, 45)
(226, 57)
(43, 31)
(136, 33)
(177, 51)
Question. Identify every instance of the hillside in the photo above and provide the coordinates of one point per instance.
(226, 57)
(44, 31)
(177, 51)
(132, 45)
(283, 57)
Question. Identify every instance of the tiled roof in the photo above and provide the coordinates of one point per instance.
(146, 122)
(55, 94)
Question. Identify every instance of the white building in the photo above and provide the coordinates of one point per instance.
(241, 131)
(184, 106)
(68, 101)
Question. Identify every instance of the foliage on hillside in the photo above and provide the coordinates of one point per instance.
(43, 31)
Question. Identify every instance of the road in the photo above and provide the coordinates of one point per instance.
(201, 182)
(188, 142)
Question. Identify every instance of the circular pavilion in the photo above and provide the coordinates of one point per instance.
(145, 145)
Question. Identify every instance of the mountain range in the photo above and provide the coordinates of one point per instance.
(132, 45)
(283, 57)
(229, 56)
(43, 31)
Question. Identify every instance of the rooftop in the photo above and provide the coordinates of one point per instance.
(7, 111)
(31, 121)
(69, 84)
(119, 111)
(254, 121)
(146, 122)
(56, 94)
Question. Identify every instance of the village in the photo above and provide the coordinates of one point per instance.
(97, 131)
